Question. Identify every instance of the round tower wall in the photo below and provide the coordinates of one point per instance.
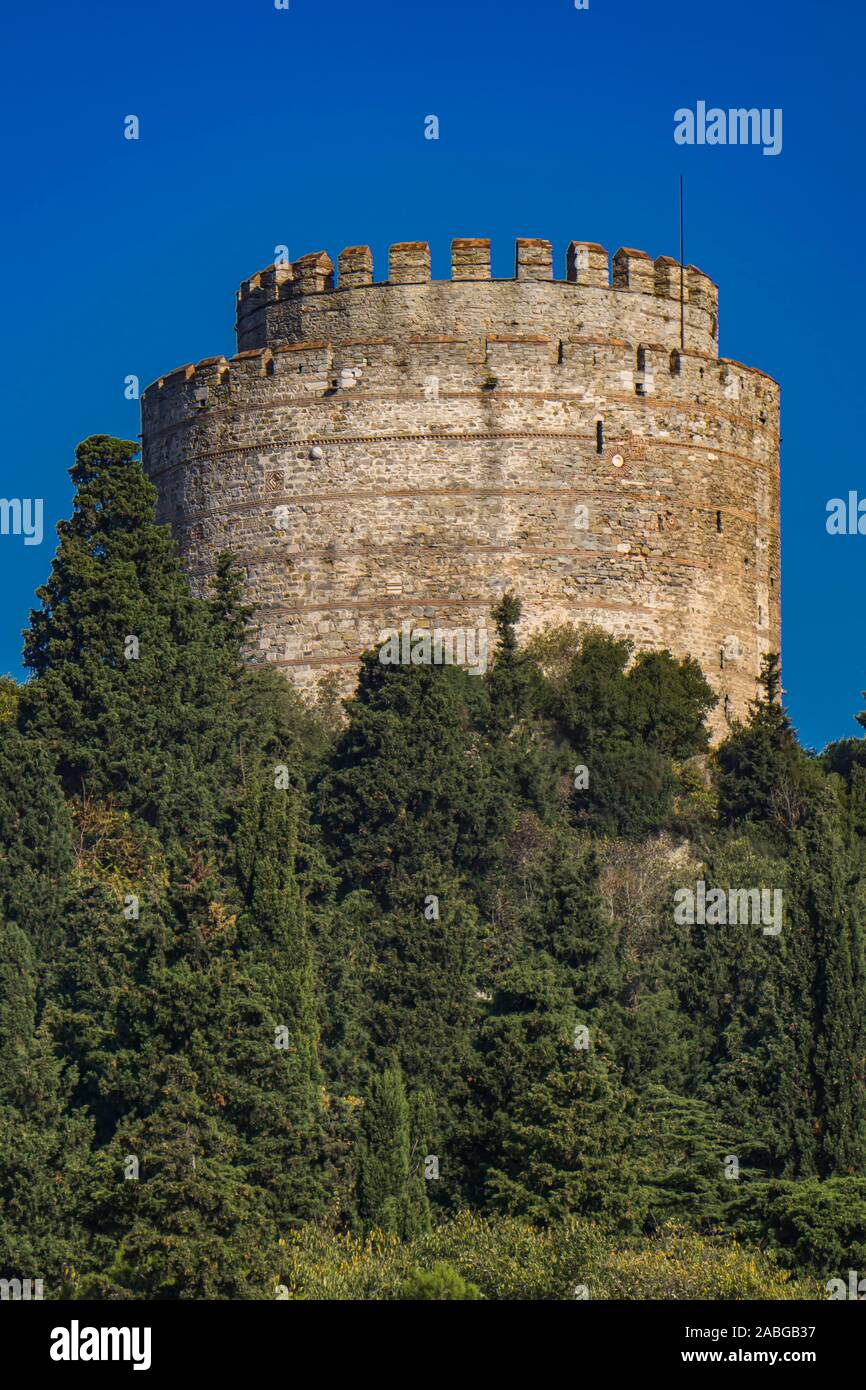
(410, 451)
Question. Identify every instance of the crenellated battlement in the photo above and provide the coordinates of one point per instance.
(287, 301)
(412, 448)
(586, 264)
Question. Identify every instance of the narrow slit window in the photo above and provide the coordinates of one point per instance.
(641, 359)
(599, 436)
(675, 363)
(720, 526)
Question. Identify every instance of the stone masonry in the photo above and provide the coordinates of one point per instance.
(411, 449)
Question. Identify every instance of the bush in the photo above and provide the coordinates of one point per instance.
(317, 1264)
(501, 1258)
(680, 1265)
(441, 1282)
(811, 1225)
(509, 1259)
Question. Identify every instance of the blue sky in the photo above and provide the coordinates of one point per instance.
(305, 127)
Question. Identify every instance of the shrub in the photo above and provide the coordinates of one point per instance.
(441, 1282)
(680, 1265)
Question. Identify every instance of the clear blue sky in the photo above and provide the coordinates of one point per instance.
(305, 127)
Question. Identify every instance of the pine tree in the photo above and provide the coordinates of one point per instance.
(171, 1209)
(553, 1123)
(548, 908)
(409, 780)
(106, 1007)
(513, 686)
(763, 776)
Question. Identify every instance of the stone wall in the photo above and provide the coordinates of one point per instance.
(412, 449)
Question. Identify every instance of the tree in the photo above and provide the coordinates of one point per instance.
(626, 727)
(35, 833)
(512, 681)
(409, 780)
(44, 1144)
(829, 906)
(172, 1210)
(763, 776)
(553, 1121)
(391, 1194)
(273, 1078)
(440, 1282)
(131, 674)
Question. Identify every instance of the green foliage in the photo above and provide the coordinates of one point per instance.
(679, 1264)
(44, 1145)
(391, 1195)
(441, 1282)
(819, 1227)
(551, 1116)
(763, 776)
(149, 728)
(189, 1226)
(35, 833)
(409, 780)
(261, 960)
(628, 724)
(508, 1260)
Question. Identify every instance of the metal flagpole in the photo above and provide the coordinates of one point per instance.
(682, 277)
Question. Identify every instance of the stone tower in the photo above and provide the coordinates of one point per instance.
(410, 449)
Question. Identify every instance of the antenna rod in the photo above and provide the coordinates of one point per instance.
(682, 277)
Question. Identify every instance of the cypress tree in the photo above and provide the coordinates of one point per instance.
(274, 1074)
(391, 1194)
(44, 1144)
(35, 831)
(132, 675)
(828, 903)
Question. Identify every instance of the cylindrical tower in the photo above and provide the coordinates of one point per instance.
(411, 449)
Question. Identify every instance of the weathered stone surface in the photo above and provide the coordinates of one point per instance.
(383, 451)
